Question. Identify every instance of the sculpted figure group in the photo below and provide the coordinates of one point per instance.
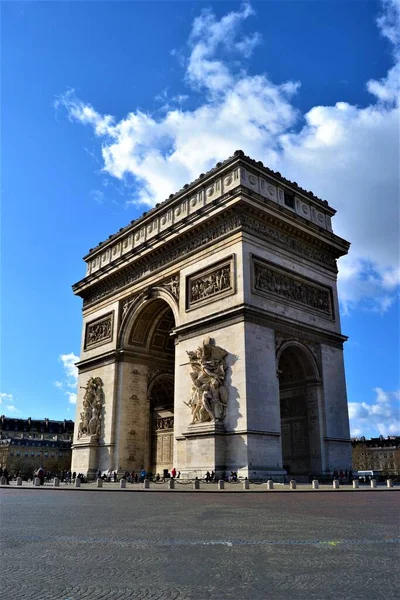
(209, 396)
(91, 416)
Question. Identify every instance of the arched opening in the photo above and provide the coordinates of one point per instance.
(298, 389)
(150, 341)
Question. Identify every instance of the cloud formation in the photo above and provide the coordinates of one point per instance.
(70, 381)
(344, 153)
(381, 417)
(7, 403)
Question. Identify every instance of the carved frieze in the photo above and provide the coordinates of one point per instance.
(209, 284)
(269, 280)
(126, 303)
(136, 271)
(164, 423)
(99, 332)
(141, 268)
(288, 242)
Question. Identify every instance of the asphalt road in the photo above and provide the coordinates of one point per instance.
(79, 545)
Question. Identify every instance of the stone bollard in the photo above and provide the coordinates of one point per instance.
(3, 480)
(56, 482)
(122, 484)
(221, 484)
(315, 484)
(196, 484)
(335, 484)
(292, 484)
(77, 482)
(36, 481)
(19, 480)
(146, 484)
(270, 484)
(389, 483)
(99, 483)
(374, 483)
(171, 483)
(356, 484)
(246, 484)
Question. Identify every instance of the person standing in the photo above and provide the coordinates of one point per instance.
(173, 473)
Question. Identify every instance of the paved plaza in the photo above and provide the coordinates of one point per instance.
(79, 545)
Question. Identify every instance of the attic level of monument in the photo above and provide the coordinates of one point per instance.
(269, 175)
(211, 336)
(229, 198)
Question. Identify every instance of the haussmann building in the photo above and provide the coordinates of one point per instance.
(211, 334)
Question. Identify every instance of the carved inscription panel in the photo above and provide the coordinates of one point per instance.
(210, 284)
(270, 280)
(99, 331)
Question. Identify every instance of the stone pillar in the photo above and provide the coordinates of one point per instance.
(146, 484)
(315, 484)
(122, 484)
(36, 481)
(263, 418)
(171, 483)
(19, 480)
(246, 484)
(337, 436)
(77, 482)
(196, 484)
(132, 425)
(99, 483)
(335, 484)
(293, 484)
(56, 482)
(389, 483)
(221, 484)
(374, 483)
(356, 484)
(270, 484)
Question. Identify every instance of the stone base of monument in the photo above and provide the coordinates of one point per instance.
(205, 448)
(86, 457)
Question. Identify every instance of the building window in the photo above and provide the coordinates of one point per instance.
(26, 454)
(288, 199)
(32, 454)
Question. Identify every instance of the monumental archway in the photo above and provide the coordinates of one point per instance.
(147, 339)
(299, 390)
(211, 334)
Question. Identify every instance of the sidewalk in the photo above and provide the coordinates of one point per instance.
(187, 486)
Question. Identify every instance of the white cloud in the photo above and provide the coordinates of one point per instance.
(344, 153)
(381, 417)
(8, 408)
(70, 380)
(71, 397)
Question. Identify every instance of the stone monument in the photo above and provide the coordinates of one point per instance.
(211, 334)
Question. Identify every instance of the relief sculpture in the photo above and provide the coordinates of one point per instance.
(93, 401)
(208, 285)
(99, 331)
(269, 280)
(209, 395)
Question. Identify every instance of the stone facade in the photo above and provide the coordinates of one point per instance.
(212, 323)
(27, 444)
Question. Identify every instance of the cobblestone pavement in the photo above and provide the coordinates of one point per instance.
(159, 546)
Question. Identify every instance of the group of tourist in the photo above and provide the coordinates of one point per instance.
(343, 476)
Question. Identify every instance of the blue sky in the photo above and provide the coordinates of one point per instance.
(108, 107)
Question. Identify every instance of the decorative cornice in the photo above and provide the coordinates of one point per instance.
(272, 177)
(270, 228)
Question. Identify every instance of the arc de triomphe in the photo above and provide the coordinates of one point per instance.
(211, 334)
